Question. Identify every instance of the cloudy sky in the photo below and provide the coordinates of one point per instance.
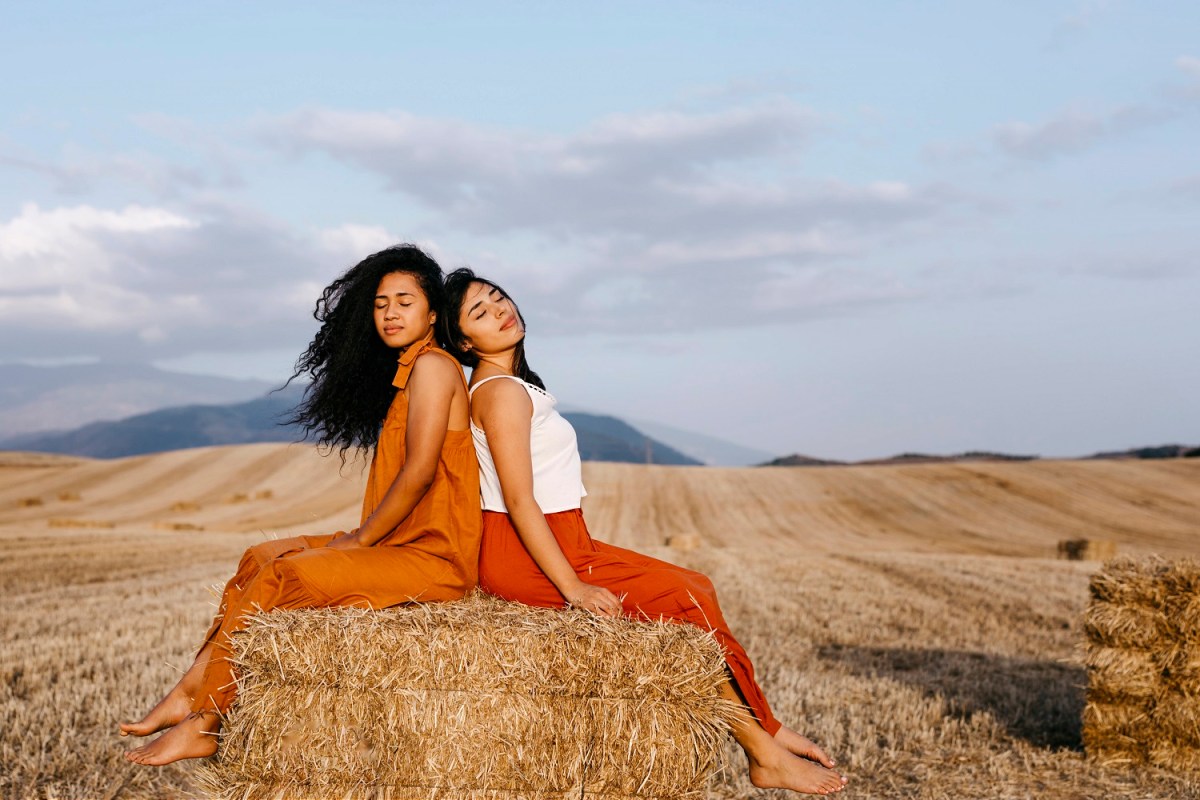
(842, 230)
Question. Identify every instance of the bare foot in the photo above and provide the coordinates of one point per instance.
(171, 710)
(803, 746)
(785, 770)
(195, 737)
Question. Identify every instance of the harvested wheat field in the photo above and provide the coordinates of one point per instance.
(914, 619)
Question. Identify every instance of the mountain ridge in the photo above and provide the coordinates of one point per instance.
(601, 437)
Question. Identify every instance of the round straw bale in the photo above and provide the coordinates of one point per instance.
(478, 698)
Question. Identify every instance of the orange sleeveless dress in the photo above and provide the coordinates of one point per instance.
(433, 555)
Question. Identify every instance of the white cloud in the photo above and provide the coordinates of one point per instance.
(43, 249)
(633, 220)
(1072, 130)
(152, 282)
(825, 290)
(351, 238)
(1190, 67)
(682, 195)
(1074, 25)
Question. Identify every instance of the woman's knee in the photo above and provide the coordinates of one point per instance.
(267, 551)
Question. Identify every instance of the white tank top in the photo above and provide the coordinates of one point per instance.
(557, 471)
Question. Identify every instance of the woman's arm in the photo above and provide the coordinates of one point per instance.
(504, 411)
(430, 390)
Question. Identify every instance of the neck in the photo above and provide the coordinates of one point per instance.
(500, 361)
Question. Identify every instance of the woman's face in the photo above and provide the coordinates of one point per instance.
(402, 313)
(489, 319)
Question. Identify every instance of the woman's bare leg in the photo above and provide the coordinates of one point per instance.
(176, 704)
(773, 765)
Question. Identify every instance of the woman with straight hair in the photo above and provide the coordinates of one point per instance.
(379, 381)
(536, 548)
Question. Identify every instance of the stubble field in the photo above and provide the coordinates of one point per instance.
(910, 618)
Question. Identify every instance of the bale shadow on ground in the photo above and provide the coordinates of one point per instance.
(1040, 702)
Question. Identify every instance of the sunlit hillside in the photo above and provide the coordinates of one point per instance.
(1020, 508)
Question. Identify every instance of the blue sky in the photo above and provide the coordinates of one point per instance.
(843, 230)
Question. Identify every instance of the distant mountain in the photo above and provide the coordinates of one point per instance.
(601, 438)
(797, 460)
(902, 458)
(1160, 451)
(35, 399)
(925, 458)
(706, 449)
(172, 429)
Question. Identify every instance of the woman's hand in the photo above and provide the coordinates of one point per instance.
(347, 541)
(596, 599)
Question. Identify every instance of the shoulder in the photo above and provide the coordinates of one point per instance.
(501, 394)
(435, 370)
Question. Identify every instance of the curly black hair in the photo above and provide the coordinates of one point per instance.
(350, 366)
(451, 332)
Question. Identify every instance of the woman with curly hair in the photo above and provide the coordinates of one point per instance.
(536, 547)
(378, 381)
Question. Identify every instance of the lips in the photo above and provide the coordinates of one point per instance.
(508, 323)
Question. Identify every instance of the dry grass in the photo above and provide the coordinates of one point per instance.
(930, 666)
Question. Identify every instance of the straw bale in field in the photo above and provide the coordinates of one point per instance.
(684, 541)
(1171, 756)
(473, 699)
(60, 522)
(1087, 550)
(1143, 659)
(1131, 581)
(1116, 733)
(1123, 675)
(1177, 717)
(1134, 627)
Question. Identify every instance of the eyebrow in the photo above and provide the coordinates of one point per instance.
(478, 303)
(398, 294)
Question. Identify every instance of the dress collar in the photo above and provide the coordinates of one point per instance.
(409, 357)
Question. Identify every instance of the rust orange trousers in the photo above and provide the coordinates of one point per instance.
(652, 588)
(300, 572)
